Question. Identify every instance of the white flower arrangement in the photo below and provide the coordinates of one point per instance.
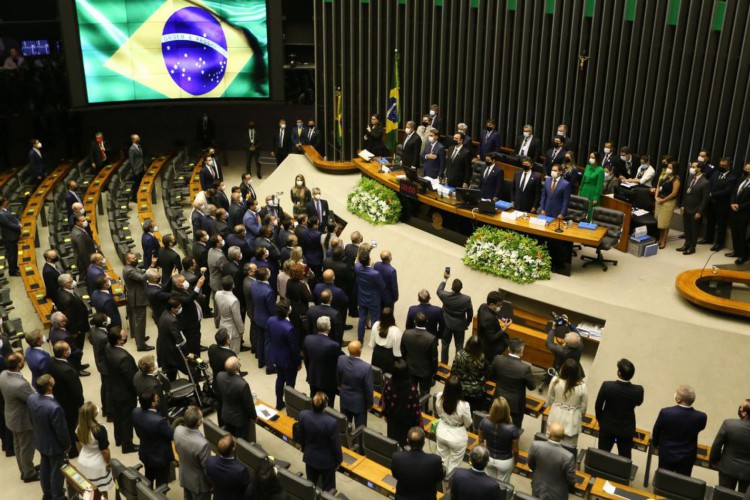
(374, 202)
(508, 254)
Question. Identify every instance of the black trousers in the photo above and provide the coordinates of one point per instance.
(281, 155)
(684, 466)
(739, 222)
(692, 229)
(122, 414)
(11, 255)
(253, 157)
(717, 217)
(157, 474)
(136, 183)
(624, 443)
(517, 419)
(730, 482)
(193, 341)
(327, 477)
(104, 394)
(423, 384)
(245, 431)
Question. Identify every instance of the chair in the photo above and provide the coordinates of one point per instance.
(476, 419)
(477, 168)
(146, 493)
(348, 437)
(378, 448)
(213, 434)
(127, 479)
(250, 455)
(523, 496)
(297, 487)
(543, 437)
(578, 208)
(612, 220)
(296, 402)
(677, 486)
(722, 493)
(377, 379)
(600, 463)
(643, 199)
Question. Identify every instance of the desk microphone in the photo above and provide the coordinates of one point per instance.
(707, 261)
(559, 226)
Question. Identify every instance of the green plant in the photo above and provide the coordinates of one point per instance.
(508, 254)
(374, 202)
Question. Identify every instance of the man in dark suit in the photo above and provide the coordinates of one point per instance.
(676, 432)
(205, 131)
(730, 452)
(282, 143)
(339, 299)
(489, 139)
(436, 119)
(512, 377)
(95, 269)
(343, 277)
(419, 348)
(457, 315)
(458, 163)
(103, 300)
(390, 279)
(36, 355)
(571, 348)
(168, 259)
(36, 161)
(220, 199)
(74, 308)
(615, 410)
(555, 155)
(98, 336)
(717, 212)
(135, 287)
(527, 188)
(68, 390)
(10, 230)
(252, 145)
(138, 166)
(264, 305)
(325, 309)
(493, 336)
(370, 289)
(527, 144)
(121, 370)
(50, 274)
(739, 218)
(609, 156)
(199, 249)
(157, 296)
(58, 331)
(491, 180)
(149, 243)
(320, 353)
(71, 197)
(411, 486)
(99, 152)
(189, 318)
(433, 156)
(554, 467)
(237, 406)
(355, 385)
(170, 340)
(318, 436)
(314, 138)
(555, 195)
(318, 207)
(469, 484)
(230, 477)
(373, 137)
(51, 436)
(695, 196)
(83, 245)
(411, 147)
(298, 137)
(155, 435)
(219, 353)
(433, 313)
(284, 350)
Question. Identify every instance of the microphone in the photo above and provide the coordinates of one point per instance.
(707, 261)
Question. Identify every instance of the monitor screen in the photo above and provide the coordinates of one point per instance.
(35, 48)
(135, 50)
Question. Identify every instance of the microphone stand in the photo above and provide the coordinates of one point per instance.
(559, 226)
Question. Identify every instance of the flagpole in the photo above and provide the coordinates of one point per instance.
(393, 161)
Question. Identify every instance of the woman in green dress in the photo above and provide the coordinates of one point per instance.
(592, 182)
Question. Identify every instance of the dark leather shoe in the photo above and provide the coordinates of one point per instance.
(84, 366)
(348, 327)
(261, 366)
(705, 242)
(731, 254)
(133, 448)
(148, 337)
(146, 348)
(83, 373)
(270, 371)
(32, 478)
(689, 251)
(740, 261)
(243, 374)
(244, 348)
(204, 348)
(716, 247)
(681, 249)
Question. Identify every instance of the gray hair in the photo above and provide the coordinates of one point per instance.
(462, 126)
(211, 210)
(64, 279)
(152, 275)
(176, 279)
(234, 253)
(516, 346)
(198, 204)
(32, 337)
(686, 395)
(57, 318)
(193, 416)
(479, 457)
(323, 324)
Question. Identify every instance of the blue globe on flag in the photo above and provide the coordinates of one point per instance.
(392, 109)
(194, 48)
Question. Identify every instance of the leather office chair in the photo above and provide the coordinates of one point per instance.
(252, 454)
(477, 168)
(612, 220)
(297, 487)
(678, 487)
(146, 493)
(377, 379)
(476, 419)
(643, 199)
(127, 479)
(378, 447)
(349, 437)
(722, 493)
(296, 402)
(600, 463)
(213, 434)
(578, 208)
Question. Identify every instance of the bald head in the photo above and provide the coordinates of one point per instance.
(355, 348)
(385, 256)
(555, 431)
(328, 276)
(232, 365)
(685, 395)
(572, 339)
(326, 296)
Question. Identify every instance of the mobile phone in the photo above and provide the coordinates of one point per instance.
(447, 269)
(374, 244)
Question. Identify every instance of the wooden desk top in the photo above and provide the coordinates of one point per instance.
(376, 476)
(572, 234)
(281, 426)
(329, 167)
(7, 175)
(597, 491)
(195, 183)
(144, 191)
(687, 287)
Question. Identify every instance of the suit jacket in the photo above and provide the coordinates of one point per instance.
(283, 146)
(554, 204)
(38, 361)
(135, 156)
(99, 343)
(227, 308)
(488, 143)
(554, 470)
(236, 213)
(311, 210)
(169, 340)
(319, 439)
(93, 271)
(731, 449)
(676, 432)
(121, 370)
(350, 252)
(512, 377)
(51, 435)
(321, 355)
(157, 299)
(562, 352)
(16, 391)
(284, 346)
(469, 484)
(150, 247)
(339, 299)
(10, 226)
(200, 254)
(135, 286)
(217, 357)
(458, 169)
(73, 307)
(457, 309)
(413, 486)
(50, 274)
(229, 476)
(390, 279)
(314, 139)
(410, 154)
(221, 200)
(250, 221)
(196, 220)
(104, 302)
(433, 167)
(167, 261)
(95, 154)
(68, 390)
(374, 141)
(344, 277)
(337, 321)
(534, 147)
(553, 158)
(207, 178)
(205, 132)
(420, 348)
(615, 407)
(370, 286)
(741, 198)
(83, 246)
(434, 315)
(37, 163)
(695, 198)
(527, 198)
(187, 320)
(494, 339)
(193, 450)
(237, 407)
(215, 261)
(491, 183)
(310, 243)
(722, 186)
(298, 137)
(355, 384)
(70, 198)
(264, 303)
(155, 435)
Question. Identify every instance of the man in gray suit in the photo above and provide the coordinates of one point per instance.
(419, 348)
(457, 315)
(16, 390)
(83, 245)
(512, 377)
(730, 452)
(554, 467)
(216, 260)
(135, 156)
(135, 287)
(193, 450)
(237, 409)
(694, 205)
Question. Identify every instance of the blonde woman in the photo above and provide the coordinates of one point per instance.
(666, 191)
(93, 447)
(500, 436)
(568, 398)
(300, 194)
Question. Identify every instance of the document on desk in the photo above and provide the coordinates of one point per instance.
(628, 184)
(638, 212)
(265, 412)
(609, 488)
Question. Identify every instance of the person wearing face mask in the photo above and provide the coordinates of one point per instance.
(433, 156)
(99, 341)
(77, 209)
(693, 208)
(237, 209)
(555, 195)
(36, 161)
(562, 132)
(717, 215)
(458, 163)
(436, 119)
(272, 207)
(609, 155)
(527, 188)
(10, 229)
(644, 176)
(253, 150)
(189, 321)
(423, 131)
(705, 158)
(570, 172)
(73, 310)
(666, 191)
(37, 357)
(318, 207)
(168, 260)
(68, 390)
(83, 245)
(71, 196)
(205, 130)
(170, 341)
(99, 152)
(527, 144)
(221, 224)
(246, 187)
(122, 369)
(610, 181)
(462, 128)
(410, 146)
(739, 217)
(215, 261)
(313, 137)
(373, 137)
(103, 300)
(298, 137)
(220, 199)
(197, 215)
(300, 195)
(95, 269)
(282, 143)
(592, 183)
(489, 139)
(555, 155)
(491, 179)
(676, 431)
(50, 273)
(627, 167)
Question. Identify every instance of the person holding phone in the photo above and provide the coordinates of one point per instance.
(457, 314)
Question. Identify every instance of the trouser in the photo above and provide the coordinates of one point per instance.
(716, 221)
(739, 222)
(424, 384)
(327, 477)
(157, 474)
(624, 443)
(137, 324)
(692, 230)
(458, 336)
(517, 419)
(263, 343)
(51, 477)
(123, 420)
(196, 495)
(374, 312)
(11, 255)
(500, 470)
(235, 343)
(280, 156)
(137, 177)
(730, 482)
(477, 403)
(330, 393)
(284, 376)
(105, 396)
(253, 335)
(24, 448)
(193, 341)
(72, 421)
(245, 431)
(253, 157)
(684, 466)
(359, 418)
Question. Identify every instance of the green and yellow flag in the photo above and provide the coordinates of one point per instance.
(391, 116)
(339, 119)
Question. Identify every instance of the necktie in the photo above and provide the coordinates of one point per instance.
(104, 153)
(487, 171)
(455, 152)
(524, 180)
(309, 135)
(487, 137)
(524, 146)
(554, 185)
(743, 185)
(320, 213)
(281, 138)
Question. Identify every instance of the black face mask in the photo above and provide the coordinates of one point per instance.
(426, 122)
(55, 260)
(525, 167)
(489, 128)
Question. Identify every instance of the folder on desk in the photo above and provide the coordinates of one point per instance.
(587, 225)
(502, 205)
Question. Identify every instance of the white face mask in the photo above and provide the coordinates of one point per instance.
(527, 134)
(431, 139)
(554, 174)
(85, 223)
(623, 158)
(607, 151)
(668, 171)
(39, 145)
(407, 130)
(104, 262)
(155, 230)
(283, 126)
(316, 196)
(693, 170)
(592, 161)
(107, 322)
(83, 211)
(74, 284)
(271, 202)
(44, 339)
(432, 112)
(702, 158)
(185, 285)
(179, 310)
(299, 183)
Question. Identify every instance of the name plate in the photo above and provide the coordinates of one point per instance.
(407, 188)
(536, 221)
(510, 216)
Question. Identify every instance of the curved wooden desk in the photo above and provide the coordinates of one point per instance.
(145, 210)
(686, 284)
(329, 167)
(195, 182)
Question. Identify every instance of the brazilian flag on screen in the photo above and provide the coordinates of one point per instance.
(173, 49)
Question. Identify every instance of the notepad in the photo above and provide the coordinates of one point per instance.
(265, 412)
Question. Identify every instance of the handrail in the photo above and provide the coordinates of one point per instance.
(329, 167)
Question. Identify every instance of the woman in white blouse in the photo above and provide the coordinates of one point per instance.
(645, 173)
(385, 339)
(568, 398)
(455, 417)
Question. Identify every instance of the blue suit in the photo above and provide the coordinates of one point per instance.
(310, 243)
(339, 300)
(554, 204)
(434, 318)
(388, 272)
(104, 302)
(229, 477)
(284, 354)
(150, 248)
(491, 183)
(37, 164)
(468, 484)
(298, 138)
(52, 440)
(321, 354)
(355, 388)
(676, 434)
(250, 221)
(264, 307)
(433, 167)
(92, 272)
(370, 290)
(321, 448)
(70, 198)
(38, 362)
(156, 437)
(489, 144)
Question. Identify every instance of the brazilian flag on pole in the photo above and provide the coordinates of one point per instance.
(391, 119)
(339, 119)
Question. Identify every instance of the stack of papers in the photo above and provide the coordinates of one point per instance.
(629, 184)
(589, 330)
(638, 212)
(265, 412)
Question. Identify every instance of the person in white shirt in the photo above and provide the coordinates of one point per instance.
(644, 176)
(385, 340)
